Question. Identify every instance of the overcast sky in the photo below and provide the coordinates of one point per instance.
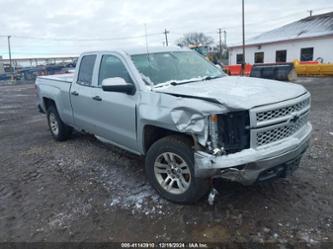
(68, 27)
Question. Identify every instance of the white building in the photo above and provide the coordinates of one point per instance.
(310, 38)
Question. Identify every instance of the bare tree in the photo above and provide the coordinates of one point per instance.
(195, 39)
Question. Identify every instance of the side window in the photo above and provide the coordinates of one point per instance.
(259, 57)
(86, 69)
(306, 54)
(239, 58)
(281, 56)
(111, 67)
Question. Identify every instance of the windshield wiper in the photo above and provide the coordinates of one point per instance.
(182, 82)
(212, 77)
(176, 83)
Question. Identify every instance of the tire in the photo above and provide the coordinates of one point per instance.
(172, 157)
(59, 130)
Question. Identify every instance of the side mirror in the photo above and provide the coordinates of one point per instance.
(117, 84)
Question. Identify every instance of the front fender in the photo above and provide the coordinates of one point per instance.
(180, 114)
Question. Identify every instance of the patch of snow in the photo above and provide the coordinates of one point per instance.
(114, 202)
(130, 191)
(305, 236)
(64, 219)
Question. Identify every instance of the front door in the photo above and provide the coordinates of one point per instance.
(115, 115)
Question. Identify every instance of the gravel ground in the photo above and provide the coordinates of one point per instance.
(84, 190)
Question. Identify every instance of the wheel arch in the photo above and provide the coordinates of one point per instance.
(152, 133)
(47, 102)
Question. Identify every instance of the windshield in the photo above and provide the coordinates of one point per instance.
(167, 67)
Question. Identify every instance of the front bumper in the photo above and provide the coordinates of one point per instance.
(248, 165)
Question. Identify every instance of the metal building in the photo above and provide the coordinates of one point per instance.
(308, 39)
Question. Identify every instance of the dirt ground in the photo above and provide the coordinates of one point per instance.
(84, 190)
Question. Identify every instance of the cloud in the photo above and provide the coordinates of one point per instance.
(47, 21)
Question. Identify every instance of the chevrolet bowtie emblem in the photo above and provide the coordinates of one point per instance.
(294, 118)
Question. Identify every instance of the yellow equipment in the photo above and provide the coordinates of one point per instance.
(313, 68)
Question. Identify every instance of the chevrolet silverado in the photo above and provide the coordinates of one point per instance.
(190, 120)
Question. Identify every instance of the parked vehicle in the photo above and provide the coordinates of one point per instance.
(190, 120)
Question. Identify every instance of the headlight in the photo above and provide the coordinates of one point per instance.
(213, 131)
(229, 132)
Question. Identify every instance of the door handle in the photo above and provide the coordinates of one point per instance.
(97, 98)
(75, 93)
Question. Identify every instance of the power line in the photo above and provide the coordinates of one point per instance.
(154, 34)
(293, 14)
(82, 39)
(280, 18)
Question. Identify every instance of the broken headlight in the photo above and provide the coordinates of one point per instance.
(230, 132)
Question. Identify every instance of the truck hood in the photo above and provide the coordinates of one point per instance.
(237, 92)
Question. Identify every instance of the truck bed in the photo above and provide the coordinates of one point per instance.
(56, 88)
(59, 77)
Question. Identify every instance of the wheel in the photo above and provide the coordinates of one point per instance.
(59, 130)
(170, 170)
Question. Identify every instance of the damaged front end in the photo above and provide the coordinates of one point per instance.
(233, 143)
(256, 145)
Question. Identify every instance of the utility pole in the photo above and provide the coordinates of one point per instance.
(10, 58)
(225, 37)
(166, 32)
(220, 42)
(243, 34)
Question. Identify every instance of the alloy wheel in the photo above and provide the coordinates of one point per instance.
(172, 173)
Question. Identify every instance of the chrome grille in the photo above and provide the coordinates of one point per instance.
(283, 111)
(271, 135)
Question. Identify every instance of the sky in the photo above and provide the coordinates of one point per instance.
(69, 27)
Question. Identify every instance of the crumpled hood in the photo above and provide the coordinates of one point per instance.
(238, 92)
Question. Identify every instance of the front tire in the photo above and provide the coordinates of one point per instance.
(59, 130)
(170, 170)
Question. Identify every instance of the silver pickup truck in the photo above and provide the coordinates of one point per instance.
(190, 120)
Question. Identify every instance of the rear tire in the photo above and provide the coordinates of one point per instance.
(59, 130)
(170, 169)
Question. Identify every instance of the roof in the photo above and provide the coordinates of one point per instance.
(312, 26)
(140, 50)
(153, 49)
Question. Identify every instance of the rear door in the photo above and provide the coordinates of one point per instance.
(82, 93)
